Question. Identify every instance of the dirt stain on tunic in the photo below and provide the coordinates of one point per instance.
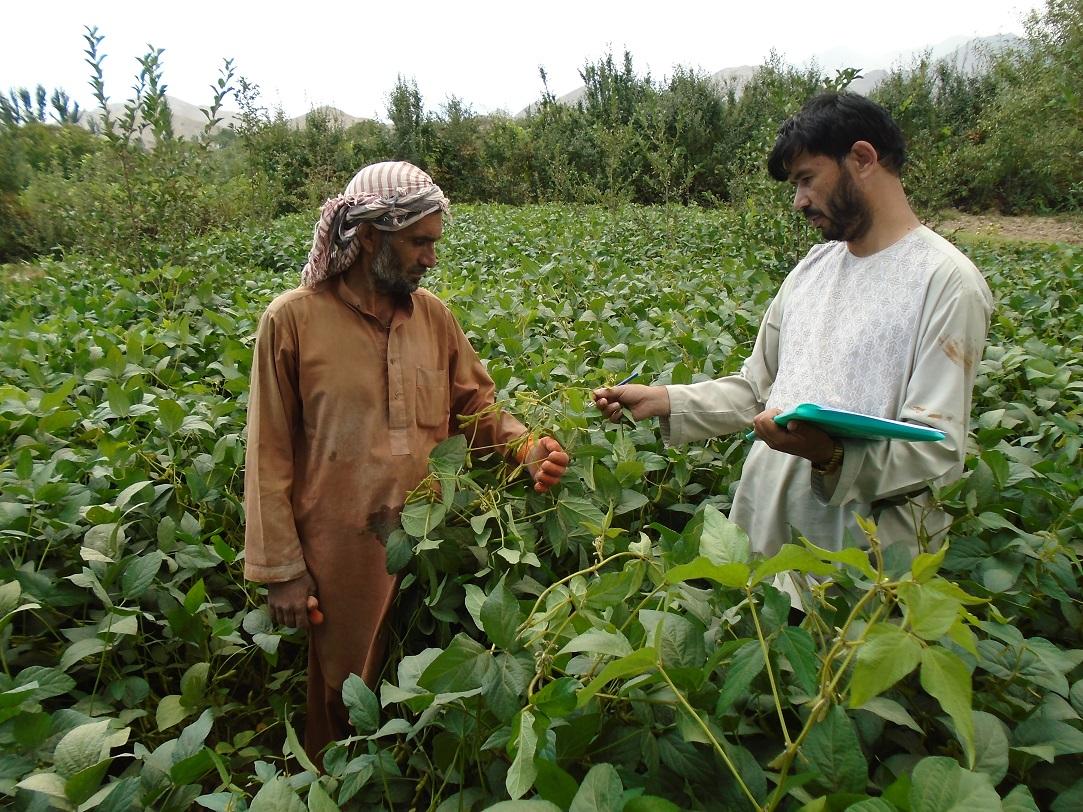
(959, 352)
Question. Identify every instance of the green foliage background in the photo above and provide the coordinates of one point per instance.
(612, 646)
(1007, 138)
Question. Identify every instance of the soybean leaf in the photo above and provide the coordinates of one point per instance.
(81, 748)
(598, 641)
(799, 649)
(939, 784)
(834, 753)
(731, 575)
(887, 655)
(990, 746)
(745, 665)
(522, 772)
(276, 796)
(557, 698)
(638, 662)
(505, 683)
(600, 791)
(460, 667)
(945, 676)
(721, 541)
(362, 704)
(500, 617)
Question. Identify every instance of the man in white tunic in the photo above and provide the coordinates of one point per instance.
(887, 319)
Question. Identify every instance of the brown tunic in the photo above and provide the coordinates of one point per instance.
(343, 413)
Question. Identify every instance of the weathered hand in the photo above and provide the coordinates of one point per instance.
(288, 601)
(797, 438)
(547, 462)
(642, 401)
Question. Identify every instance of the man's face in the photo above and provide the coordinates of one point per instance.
(825, 192)
(405, 256)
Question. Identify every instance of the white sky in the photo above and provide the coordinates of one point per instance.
(486, 53)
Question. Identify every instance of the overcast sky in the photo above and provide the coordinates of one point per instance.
(486, 53)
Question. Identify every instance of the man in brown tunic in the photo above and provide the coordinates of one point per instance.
(356, 376)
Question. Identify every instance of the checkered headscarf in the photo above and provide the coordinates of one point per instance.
(389, 195)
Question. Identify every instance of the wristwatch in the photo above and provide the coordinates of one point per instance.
(833, 464)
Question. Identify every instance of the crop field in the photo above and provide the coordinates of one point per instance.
(610, 646)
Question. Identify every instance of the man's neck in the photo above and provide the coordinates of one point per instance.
(892, 220)
(359, 279)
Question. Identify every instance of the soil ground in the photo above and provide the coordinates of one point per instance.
(1025, 228)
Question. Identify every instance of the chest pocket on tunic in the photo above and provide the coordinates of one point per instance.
(431, 404)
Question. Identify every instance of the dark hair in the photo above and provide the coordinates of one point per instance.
(829, 124)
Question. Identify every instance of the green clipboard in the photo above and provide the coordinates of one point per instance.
(841, 423)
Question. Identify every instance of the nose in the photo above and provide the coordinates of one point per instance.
(800, 199)
(428, 257)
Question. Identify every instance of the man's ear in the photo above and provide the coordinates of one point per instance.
(371, 238)
(863, 157)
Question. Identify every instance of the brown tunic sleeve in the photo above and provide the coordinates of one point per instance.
(271, 542)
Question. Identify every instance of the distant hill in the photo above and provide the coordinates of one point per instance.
(188, 119)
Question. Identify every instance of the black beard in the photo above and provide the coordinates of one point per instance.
(848, 214)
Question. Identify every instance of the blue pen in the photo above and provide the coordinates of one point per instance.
(631, 377)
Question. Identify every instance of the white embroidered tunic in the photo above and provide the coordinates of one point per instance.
(898, 334)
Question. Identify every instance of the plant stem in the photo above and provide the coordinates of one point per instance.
(707, 731)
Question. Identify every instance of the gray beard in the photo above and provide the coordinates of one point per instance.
(387, 274)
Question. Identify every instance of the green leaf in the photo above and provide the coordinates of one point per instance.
(50, 682)
(501, 616)
(650, 803)
(892, 711)
(851, 556)
(399, 550)
(834, 753)
(522, 772)
(419, 518)
(613, 587)
(319, 800)
(1063, 738)
(926, 565)
(81, 748)
(601, 791)
(506, 683)
(930, 610)
(745, 665)
(48, 784)
(945, 676)
(193, 684)
(80, 650)
(362, 704)
(679, 639)
(887, 655)
(171, 710)
(532, 805)
(276, 796)
(799, 649)
(990, 746)
(598, 641)
(721, 541)
(578, 514)
(120, 795)
(52, 400)
(791, 557)
(638, 662)
(554, 784)
(139, 573)
(293, 744)
(1020, 800)
(731, 575)
(939, 784)
(557, 698)
(461, 667)
(171, 415)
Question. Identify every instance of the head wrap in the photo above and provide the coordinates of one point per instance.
(389, 195)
